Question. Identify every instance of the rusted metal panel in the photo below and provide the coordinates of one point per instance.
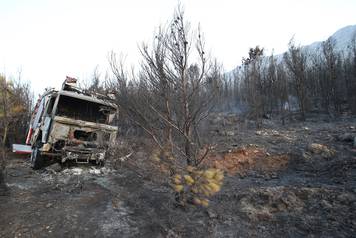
(59, 131)
(88, 98)
(80, 123)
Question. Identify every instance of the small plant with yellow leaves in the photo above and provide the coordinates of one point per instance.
(191, 184)
(198, 185)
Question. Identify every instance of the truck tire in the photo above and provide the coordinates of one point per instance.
(36, 159)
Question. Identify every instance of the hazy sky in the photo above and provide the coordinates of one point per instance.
(48, 40)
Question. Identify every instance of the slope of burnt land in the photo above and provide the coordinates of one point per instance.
(295, 180)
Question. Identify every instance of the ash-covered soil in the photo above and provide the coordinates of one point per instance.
(297, 180)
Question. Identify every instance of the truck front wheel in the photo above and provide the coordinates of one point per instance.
(36, 159)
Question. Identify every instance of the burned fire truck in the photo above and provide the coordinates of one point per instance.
(70, 124)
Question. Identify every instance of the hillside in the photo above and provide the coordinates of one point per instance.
(343, 38)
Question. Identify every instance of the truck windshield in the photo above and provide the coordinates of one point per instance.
(79, 109)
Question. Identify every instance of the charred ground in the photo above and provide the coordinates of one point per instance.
(295, 180)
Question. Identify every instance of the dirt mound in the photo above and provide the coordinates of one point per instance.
(310, 209)
(241, 161)
(263, 203)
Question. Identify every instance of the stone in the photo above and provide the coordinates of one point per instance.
(320, 149)
(77, 171)
(258, 133)
(95, 171)
(229, 133)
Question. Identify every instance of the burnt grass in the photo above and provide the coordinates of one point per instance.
(313, 195)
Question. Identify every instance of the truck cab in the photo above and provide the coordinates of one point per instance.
(71, 124)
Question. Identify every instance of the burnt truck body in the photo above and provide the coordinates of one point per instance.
(70, 124)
